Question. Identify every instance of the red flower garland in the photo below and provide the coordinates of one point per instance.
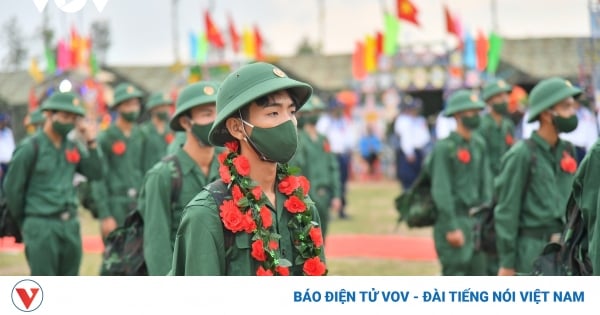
(169, 138)
(119, 147)
(246, 212)
(72, 156)
(509, 139)
(568, 163)
(464, 156)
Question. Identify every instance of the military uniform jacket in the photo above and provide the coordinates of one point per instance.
(317, 163)
(539, 205)
(161, 216)
(200, 243)
(50, 190)
(498, 139)
(586, 187)
(156, 144)
(460, 178)
(124, 170)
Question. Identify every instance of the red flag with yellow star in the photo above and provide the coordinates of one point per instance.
(407, 11)
(212, 32)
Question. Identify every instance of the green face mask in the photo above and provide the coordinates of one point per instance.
(565, 124)
(500, 108)
(130, 116)
(163, 116)
(471, 122)
(62, 129)
(276, 144)
(200, 132)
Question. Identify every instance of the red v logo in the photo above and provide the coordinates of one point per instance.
(26, 298)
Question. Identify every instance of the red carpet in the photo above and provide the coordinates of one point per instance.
(338, 246)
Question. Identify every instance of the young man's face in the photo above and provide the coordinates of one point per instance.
(65, 117)
(203, 115)
(565, 108)
(279, 108)
(161, 109)
(131, 105)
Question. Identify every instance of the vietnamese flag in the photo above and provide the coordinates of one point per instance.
(212, 32)
(407, 11)
(359, 71)
(258, 43)
(234, 35)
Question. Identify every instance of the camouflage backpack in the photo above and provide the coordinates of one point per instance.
(416, 206)
(124, 247)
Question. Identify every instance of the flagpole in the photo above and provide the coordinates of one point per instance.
(175, 29)
(494, 12)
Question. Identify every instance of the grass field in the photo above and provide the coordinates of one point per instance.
(370, 205)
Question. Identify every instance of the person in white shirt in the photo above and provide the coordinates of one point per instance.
(527, 128)
(444, 126)
(341, 135)
(7, 143)
(586, 133)
(414, 135)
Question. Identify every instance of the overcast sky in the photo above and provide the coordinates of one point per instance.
(142, 29)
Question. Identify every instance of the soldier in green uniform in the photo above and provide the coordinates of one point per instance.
(122, 145)
(586, 187)
(461, 179)
(40, 192)
(535, 181)
(156, 130)
(498, 132)
(317, 162)
(177, 142)
(264, 223)
(198, 165)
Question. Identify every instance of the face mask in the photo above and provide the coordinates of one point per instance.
(500, 108)
(130, 116)
(276, 144)
(163, 116)
(471, 122)
(62, 129)
(201, 133)
(565, 124)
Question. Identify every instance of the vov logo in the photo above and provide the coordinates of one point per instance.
(27, 295)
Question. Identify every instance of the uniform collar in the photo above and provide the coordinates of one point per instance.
(188, 164)
(542, 143)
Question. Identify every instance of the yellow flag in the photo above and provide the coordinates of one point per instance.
(249, 43)
(35, 72)
(370, 54)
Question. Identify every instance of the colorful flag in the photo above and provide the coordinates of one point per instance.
(407, 11)
(469, 54)
(258, 40)
(358, 62)
(495, 49)
(63, 55)
(482, 47)
(35, 72)
(249, 43)
(202, 53)
(212, 32)
(50, 61)
(370, 54)
(193, 42)
(392, 27)
(379, 39)
(234, 35)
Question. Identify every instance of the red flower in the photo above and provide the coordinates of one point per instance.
(509, 139)
(222, 157)
(169, 138)
(316, 236)
(294, 205)
(249, 223)
(236, 193)
(305, 184)
(464, 156)
(266, 217)
(224, 173)
(282, 271)
(288, 185)
(314, 267)
(231, 216)
(242, 165)
(232, 145)
(119, 147)
(568, 163)
(258, 250)
(273, 245)
(72, 156)
(326, 147)
(257, 192)
(262, 272)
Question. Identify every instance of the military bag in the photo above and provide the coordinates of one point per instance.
(415, 206)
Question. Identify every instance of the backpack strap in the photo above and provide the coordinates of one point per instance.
(219, 192)
(36, 148)
(176, 179)
(533, 160)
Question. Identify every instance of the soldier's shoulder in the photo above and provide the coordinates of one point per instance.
(521, 149)
(202, 208)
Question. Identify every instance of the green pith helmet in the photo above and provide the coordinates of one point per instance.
(314, 103)
(245, 85)
(196, 94)
(36, 117)
(493, 88)
(65, 102)
(124, 92)
(158, 99)
(548, 93)
(463, 100)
